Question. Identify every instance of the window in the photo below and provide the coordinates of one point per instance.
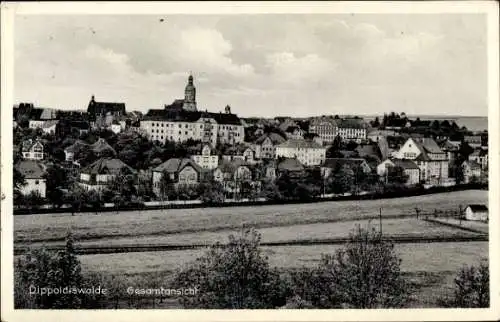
(180, 132)
(37, 182)
(186, 132)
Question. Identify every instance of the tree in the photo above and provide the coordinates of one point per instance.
(56, 179)
(376, 122)
(472, 289)
(76, 197)
(211, 192)
(33, 200)
(364, 274)
(233, 276)
(39, 268)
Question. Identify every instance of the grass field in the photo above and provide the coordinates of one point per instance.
(431, 266)
(46, 227)
(391, 227)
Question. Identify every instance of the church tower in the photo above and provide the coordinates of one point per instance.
(190, 96)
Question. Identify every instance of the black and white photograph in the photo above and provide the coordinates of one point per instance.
(231, 160)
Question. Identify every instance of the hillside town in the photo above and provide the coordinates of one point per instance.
(106, 155)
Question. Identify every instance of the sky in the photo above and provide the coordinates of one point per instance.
(261, 65)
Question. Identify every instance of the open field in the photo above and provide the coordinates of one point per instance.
(435, 257)
(136, 224)
(430, 266)
(408, 227)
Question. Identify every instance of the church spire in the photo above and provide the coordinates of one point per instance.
(190, 95)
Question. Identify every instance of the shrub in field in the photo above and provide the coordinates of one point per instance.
(233, 276)
(472, 289)
(41, 269)
(363, 274)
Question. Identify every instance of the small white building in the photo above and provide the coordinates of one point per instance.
(32, 150)
(409, 167)
(33, 172)
(206, 159)
(476, 213)
(471, 169)
(116, 127)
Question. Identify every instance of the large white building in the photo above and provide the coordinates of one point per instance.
(348, 129)
(181, 122)
(307, 152)
(431, 160)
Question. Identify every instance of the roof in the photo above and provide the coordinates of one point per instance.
(275, 138)
(405, 164)
(175, 165)
(290, 164)
(105, 107)
(426, 145)
(449, 146)
(31, 169)
(75, 147)
(48, 114)
(368, 149)
(351, 123)
(175, 113)
(237, 149)
(480, 153)
(383, 147)
(101, 145)
(336, 163)
(28, 144)
(302, 144)
(431, 146)
(49, 123)
(107, 166)
(477, 207)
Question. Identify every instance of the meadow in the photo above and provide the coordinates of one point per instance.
(136, 224)
(429, 266)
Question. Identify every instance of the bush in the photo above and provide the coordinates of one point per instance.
(43, 269)
(472, 289)
(363, 274)
(233, 276)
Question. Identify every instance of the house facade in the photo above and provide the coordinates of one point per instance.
(32, 150)
(206, 159)
(429, 157)
(33, 172)
(480, 156)
(471, 171)
(307, 152)
(410, 169)
(234, 175)
(180, 171)
(325, 128)
(100, 174)
(265, 145)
